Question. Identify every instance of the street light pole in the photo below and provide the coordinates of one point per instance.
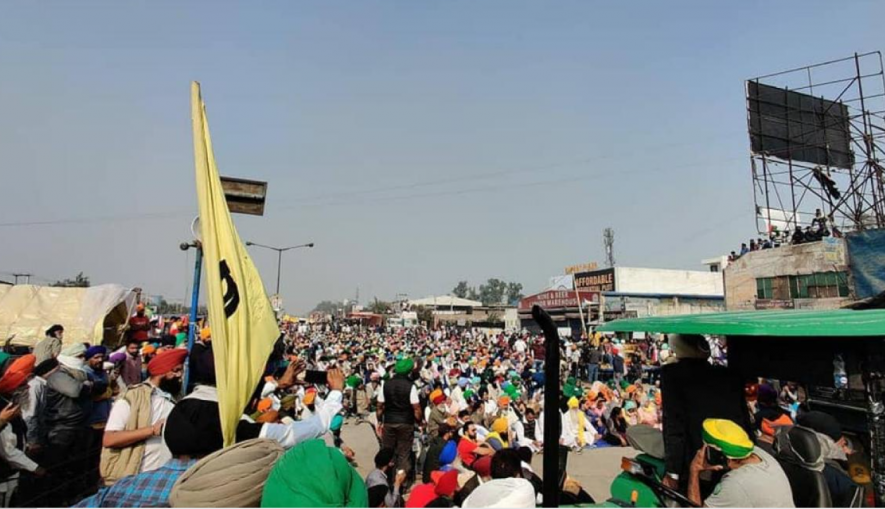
(280, 251)
(279, 266)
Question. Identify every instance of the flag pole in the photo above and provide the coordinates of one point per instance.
(195, 299)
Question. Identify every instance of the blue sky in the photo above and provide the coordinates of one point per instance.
(417, 143)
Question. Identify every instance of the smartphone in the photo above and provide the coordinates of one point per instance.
(315, 377)
(715, 457)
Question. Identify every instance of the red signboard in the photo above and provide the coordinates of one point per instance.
(553, 299)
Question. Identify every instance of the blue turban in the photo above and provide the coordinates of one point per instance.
(462, 382)
(92, 351)
(448, 454)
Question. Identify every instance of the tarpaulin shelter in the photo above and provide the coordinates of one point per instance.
(97, 314)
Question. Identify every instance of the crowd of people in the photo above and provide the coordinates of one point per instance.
(821, 226)
(458, 415)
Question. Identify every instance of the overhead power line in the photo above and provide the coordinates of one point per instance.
(343, 198)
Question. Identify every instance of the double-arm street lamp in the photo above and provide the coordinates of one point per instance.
(280, 251)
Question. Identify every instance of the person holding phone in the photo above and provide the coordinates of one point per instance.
(13, 459)
(753, 478)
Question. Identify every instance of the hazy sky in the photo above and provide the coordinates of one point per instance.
(416, 142)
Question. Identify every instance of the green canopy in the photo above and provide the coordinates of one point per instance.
(833, 323)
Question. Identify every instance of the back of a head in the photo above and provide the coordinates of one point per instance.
(822, 423)
(516, 493)
(193, 428)
(231, 477)
(689, 346)
(506, 463)
(525, 455)
(384, 457)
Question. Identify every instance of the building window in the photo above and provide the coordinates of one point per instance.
(820, 285)
(764, 287)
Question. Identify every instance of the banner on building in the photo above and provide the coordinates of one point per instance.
(550, 300)
(597, 281)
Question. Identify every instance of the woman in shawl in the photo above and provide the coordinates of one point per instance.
(617, 428)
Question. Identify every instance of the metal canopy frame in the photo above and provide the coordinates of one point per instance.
(790, 186)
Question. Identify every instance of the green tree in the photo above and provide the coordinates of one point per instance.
(492, 292)
(462, 290)
(425, 315)
(380, 307)
(80, 281)
(327, 307)
(514, 293)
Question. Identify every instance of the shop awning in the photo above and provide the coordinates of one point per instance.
(833, 323)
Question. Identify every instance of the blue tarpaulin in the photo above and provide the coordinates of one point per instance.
(866, 259)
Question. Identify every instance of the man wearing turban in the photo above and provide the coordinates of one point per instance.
(191, 433)
(132, 441)
(438, 411)
(695, 390)
(398, 412)
(332, 483)
(14, 376)
(62, 425)
(577, 430)
(754, 478)
(101, 393)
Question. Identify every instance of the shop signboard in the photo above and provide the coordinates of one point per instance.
(551, 299)
(775, 304)
(596, 281)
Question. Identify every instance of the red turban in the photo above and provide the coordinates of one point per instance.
(447, 484)
(166, 361)
(17, 373)
(483, 466)
(437, 397)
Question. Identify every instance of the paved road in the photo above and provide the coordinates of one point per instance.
(594, 468)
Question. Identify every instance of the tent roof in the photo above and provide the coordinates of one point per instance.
(445, 300)
(832, 323)
(26, 311)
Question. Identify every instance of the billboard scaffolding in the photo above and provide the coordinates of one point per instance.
(817, 141)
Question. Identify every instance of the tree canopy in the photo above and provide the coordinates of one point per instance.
(492, 292)
(79, 281)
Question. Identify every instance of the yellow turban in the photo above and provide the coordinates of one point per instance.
(573, 402)
(500, 425)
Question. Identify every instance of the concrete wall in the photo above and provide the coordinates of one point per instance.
(666, 281)
(663, 306)
(824, 256)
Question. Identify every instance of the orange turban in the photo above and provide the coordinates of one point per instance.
(17, 373)
(148, 349)
(309, 396)
(437, 397)
(264, 405)
(504, 400)
(769, 426)
(269, 416)
(166, 361)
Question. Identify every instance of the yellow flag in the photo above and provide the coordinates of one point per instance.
(244, 327)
